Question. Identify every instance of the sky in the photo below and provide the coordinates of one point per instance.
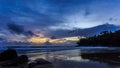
(44, 16)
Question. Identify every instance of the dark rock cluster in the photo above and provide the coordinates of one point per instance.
(10, 59)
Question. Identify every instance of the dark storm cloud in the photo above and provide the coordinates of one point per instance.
(69, 6)
(18, 29)
(14, 28)
(46, 13)
(87, 12)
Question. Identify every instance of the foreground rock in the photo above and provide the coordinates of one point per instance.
(40, 63)
(8, 55)
(9, 58)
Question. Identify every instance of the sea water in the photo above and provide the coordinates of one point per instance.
(71, 57)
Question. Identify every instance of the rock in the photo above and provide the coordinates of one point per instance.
(9, 58)
(8, 63)
(8, 55)
(32, 65)
(41, 63)
(22, 59)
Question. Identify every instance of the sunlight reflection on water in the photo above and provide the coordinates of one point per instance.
(70, 58)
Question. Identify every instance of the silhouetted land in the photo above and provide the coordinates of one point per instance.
(105, 38)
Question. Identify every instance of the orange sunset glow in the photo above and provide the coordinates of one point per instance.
(38, 40)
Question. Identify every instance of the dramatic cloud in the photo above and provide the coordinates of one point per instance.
(42, 12)
(18, 29)
(51, 15)
(15, 28)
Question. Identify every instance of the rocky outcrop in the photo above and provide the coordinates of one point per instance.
(40, 63)
(8, 55)
(9, 58)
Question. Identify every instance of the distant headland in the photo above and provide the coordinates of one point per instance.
(105, 38)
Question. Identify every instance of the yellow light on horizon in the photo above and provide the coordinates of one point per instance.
(72, 38)
(55, 41)
(37, 40)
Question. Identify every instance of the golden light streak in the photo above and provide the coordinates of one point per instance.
(72, 38)
(38, 40)
(56, 41)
